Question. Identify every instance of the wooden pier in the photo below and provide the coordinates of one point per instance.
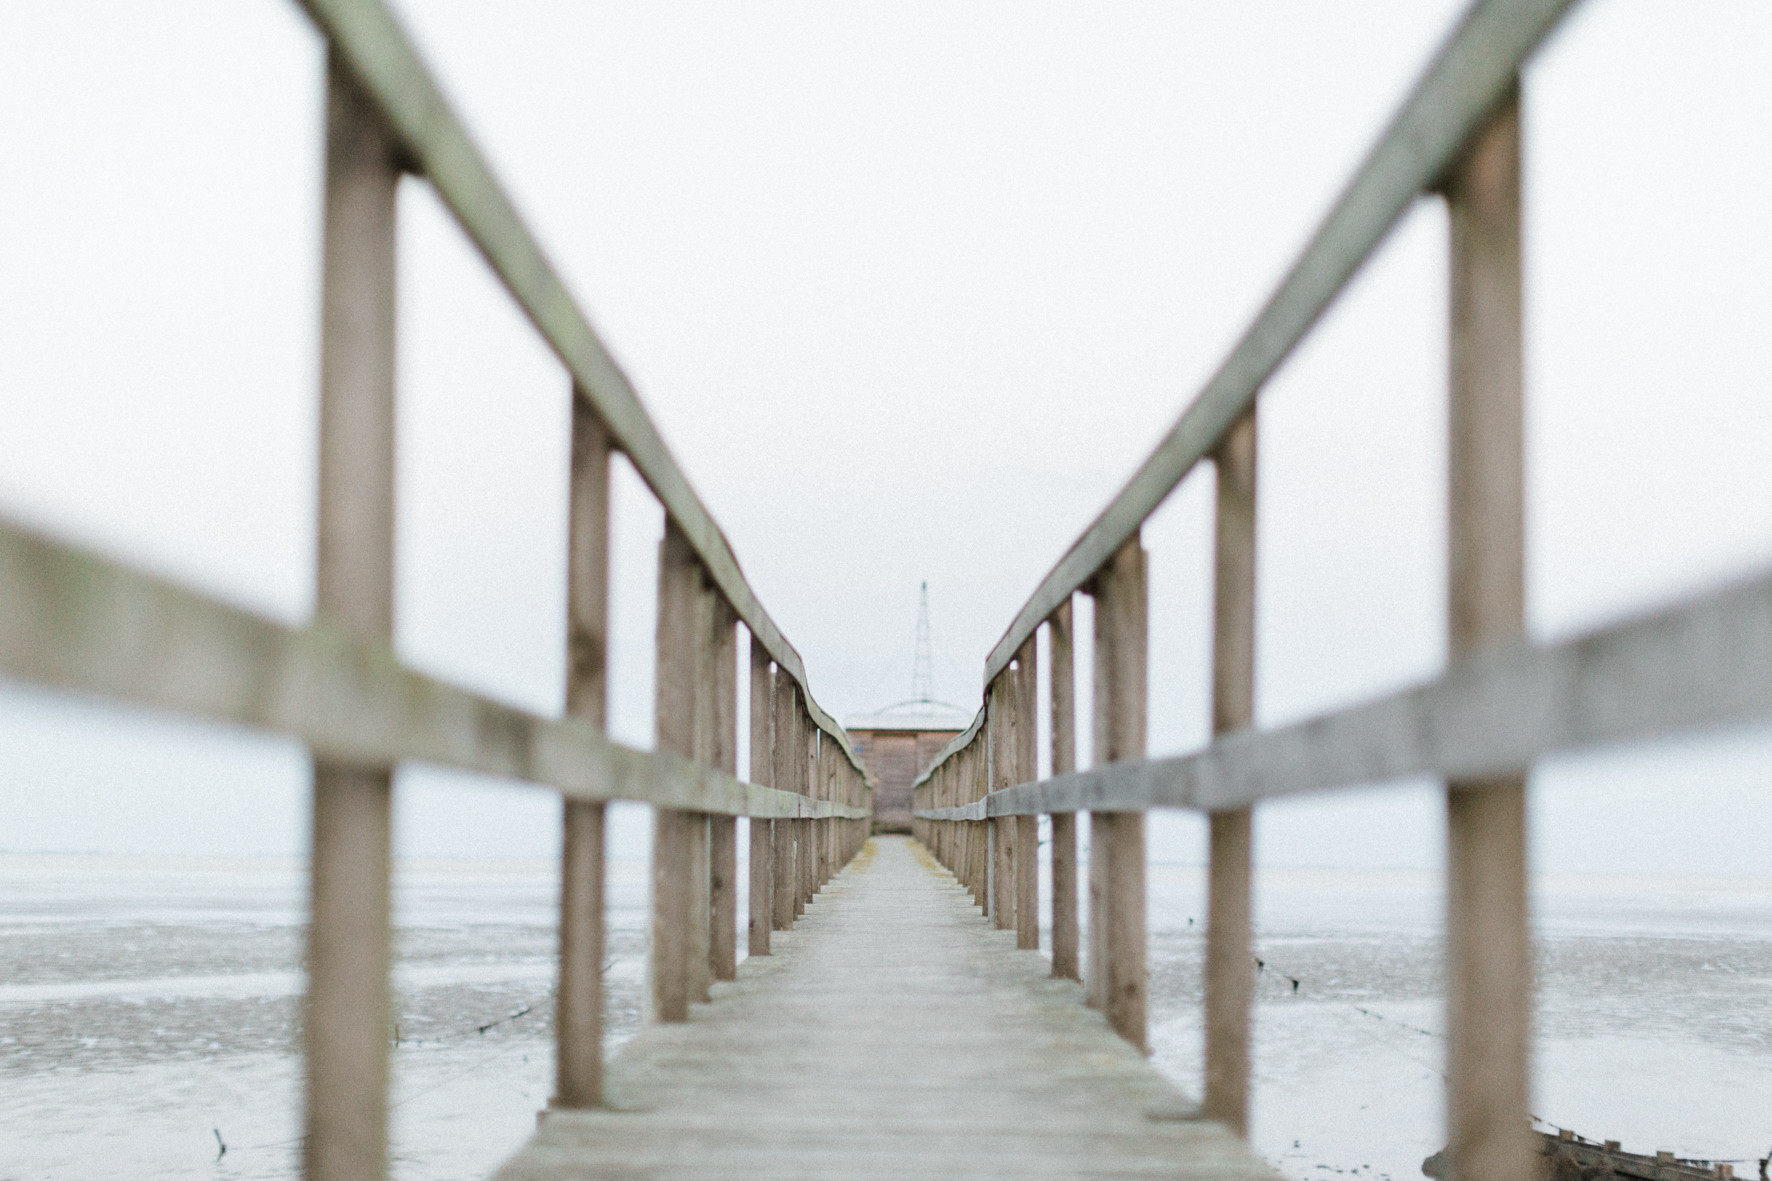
(895, 1017)
(893, 1034)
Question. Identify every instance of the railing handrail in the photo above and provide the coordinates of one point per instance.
(382, 57)
(1469, 74)
(77, 621)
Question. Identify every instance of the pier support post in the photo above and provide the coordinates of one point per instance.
(578, 1003)
(1063, 738)
(1230, 974)
(1487, 941)
(346, 1026)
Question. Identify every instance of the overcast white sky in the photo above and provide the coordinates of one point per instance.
(910, 288)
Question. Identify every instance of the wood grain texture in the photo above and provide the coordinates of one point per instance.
(893, 1035)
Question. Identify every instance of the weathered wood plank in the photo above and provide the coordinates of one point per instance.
(894, 1034)
(72, 620)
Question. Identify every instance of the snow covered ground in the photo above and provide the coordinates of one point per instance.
(147, 1004)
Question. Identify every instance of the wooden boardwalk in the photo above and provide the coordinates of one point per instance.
(892, 1034)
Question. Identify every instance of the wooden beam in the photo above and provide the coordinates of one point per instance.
(1120, 703)
(1026, 830)
(762, 851)
(1230, 953)
(1063, 738)
(74, 621)
(1488, 943)
(673, 842)
(723, 830)
(786, 748)
(578, 1001)
(345, 1025)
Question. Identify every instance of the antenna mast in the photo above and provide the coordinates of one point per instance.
(923, 672)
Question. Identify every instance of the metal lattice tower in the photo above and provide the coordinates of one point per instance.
(923, 671)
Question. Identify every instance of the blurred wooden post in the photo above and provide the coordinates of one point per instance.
(1063, 740)
(723, 830)
(1489, 990)
(1027, 828)
(787, 745)
(673, 847)
(1230, 971)
(578, 1004)
(346, 1027)
(1120, 652)
(977, 784)
(762, 868)
(999, 728)
(701, 625)
(808, 829)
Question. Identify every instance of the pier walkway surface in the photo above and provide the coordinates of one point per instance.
(892, 1033)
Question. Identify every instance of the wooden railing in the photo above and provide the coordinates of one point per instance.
(1501, 703)
(75, 621)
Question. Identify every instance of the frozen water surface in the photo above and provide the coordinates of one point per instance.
(146, 1004)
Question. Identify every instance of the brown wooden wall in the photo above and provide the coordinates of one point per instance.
(896, 758)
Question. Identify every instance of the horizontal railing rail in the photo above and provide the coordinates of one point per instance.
(73, 620)
(437, 145)
(1702, 665)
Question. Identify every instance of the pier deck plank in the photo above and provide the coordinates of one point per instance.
(892, 1034)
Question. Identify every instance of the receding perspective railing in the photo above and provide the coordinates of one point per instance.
(1502, 702)
(75, 621)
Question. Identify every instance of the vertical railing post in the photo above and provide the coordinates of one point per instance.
(977, 786)
(762, 865)
(1000, 750)
(578, 1003)
(1027, 828)
(1063, 740)
(701, 623)
(679, 577)
(1230, 974)
(787, 759)
(346, 1027)
(807, 785)
(1120, 653)
(1488, 946)
(723, 830)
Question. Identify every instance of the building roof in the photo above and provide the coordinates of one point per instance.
(924, 714)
